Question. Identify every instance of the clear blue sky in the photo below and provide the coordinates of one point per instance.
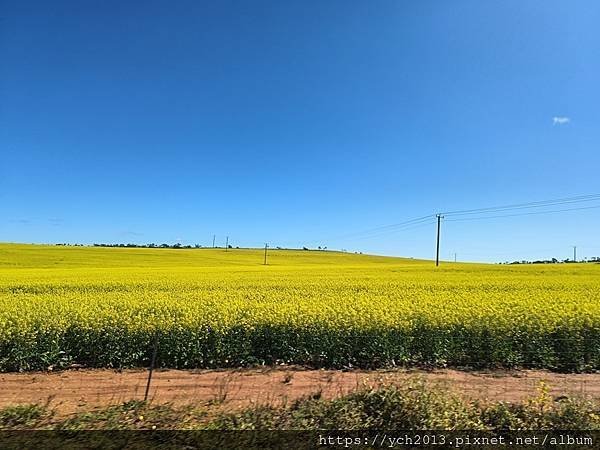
(294, 122)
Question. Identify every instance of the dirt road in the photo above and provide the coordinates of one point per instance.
(80, 390)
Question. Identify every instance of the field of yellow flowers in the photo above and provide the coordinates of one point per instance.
(103, 307)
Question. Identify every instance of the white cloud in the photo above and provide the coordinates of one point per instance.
(560, 120)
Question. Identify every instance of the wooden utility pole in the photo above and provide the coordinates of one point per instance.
(574, 253)
(437, 249)
(214, 237)
(266, 246)
(227, 243)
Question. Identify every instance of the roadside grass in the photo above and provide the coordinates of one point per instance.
(411, 406)
(23, 416)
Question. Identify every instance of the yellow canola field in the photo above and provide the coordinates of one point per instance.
(103, 307)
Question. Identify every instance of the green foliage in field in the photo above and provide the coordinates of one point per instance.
(101, 307)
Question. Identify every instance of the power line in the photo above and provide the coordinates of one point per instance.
(479, 213)
(395, 225)
(381, 230)
(538, 204)
(402, 226)
(387, 233)
(466, 219)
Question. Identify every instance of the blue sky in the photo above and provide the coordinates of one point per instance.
(298, 122)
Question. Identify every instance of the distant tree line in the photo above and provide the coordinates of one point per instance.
(593, 259)
(178, 245)
(137, 245)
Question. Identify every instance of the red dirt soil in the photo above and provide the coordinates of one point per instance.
(81, 390)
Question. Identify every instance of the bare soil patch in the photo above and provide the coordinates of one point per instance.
(80, 390)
